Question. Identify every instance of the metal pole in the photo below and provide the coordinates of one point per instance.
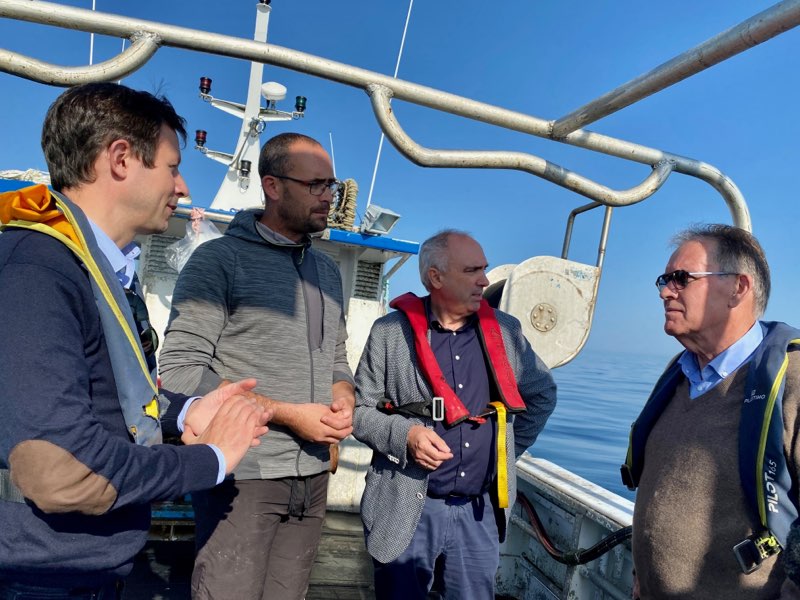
(142, 48)
(91, 40)
(749, 33)
(383, 135)
(201, 41)
(333, 156)
(492, 159)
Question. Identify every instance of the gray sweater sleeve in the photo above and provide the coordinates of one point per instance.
(199, 314)
(341, 368)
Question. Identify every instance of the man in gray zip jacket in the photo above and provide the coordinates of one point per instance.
(261, 301)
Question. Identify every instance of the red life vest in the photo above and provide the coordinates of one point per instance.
(492, 342)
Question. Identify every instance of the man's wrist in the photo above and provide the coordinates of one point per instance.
(223, 466)
(184, 411)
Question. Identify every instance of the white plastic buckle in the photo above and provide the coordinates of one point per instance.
(437, 408)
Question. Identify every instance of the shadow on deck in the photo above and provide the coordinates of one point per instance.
(342, 571)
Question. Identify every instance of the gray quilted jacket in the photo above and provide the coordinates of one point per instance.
(396, 486)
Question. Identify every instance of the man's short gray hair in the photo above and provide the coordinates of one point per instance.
(433, 254)
(737, 251)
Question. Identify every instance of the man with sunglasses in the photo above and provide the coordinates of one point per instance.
(714, 453)
(261, 302)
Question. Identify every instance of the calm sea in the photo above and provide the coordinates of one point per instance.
(599, 396)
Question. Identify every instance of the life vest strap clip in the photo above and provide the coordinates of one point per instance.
(437, 408)
(753, 550)
(627, 476)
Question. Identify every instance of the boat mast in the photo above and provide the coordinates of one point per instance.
(241, 187)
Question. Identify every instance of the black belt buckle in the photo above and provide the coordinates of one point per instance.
(753, 550)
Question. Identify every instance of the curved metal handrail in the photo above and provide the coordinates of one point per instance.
(755, 30)
(519, 161)
(143, 47)
(181, 37)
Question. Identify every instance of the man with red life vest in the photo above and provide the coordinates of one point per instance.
(448, 394)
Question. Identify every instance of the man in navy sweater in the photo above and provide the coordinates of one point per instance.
(80, 451)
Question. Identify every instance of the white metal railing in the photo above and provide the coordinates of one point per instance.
(146, 36)
(755, 30)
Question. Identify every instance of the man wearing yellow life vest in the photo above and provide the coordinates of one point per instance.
(81, 426)
(449, 394)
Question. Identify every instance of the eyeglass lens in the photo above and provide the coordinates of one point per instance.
(680, 277)
(317, 188)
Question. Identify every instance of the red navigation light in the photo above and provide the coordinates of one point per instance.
(205, 85)
(200, 137)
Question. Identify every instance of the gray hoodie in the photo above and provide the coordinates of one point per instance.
(240, 310)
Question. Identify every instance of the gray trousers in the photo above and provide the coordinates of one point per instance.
(257, 539)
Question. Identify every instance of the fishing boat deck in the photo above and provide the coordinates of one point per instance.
(342, 571)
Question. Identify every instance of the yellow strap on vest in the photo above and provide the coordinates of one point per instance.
(152, 408)
(36, 208)
(87, 259)
(762, 443)
(502, 460)
(94, 271)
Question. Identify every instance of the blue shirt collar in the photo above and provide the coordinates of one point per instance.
(725, 363)
(122, 261)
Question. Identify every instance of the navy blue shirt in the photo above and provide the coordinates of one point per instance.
(462, 362)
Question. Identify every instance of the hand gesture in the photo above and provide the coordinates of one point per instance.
(427, 448)
(237, 426)
(202, 410)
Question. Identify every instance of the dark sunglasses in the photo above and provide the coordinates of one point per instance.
(680, 278)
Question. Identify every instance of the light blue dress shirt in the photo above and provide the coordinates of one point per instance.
(730, 359)
(123, 263)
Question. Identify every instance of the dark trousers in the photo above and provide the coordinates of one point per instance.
(456, 540)
(257, 539)
(20, 591)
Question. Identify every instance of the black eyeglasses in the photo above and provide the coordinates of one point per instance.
(316, 187)
(681, 278)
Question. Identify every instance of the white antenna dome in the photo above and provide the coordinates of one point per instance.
(273, 91)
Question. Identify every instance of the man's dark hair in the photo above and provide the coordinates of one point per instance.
(735, 251)
(85, 119)
(274, 157)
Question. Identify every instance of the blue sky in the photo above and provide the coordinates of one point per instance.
(541, 58)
